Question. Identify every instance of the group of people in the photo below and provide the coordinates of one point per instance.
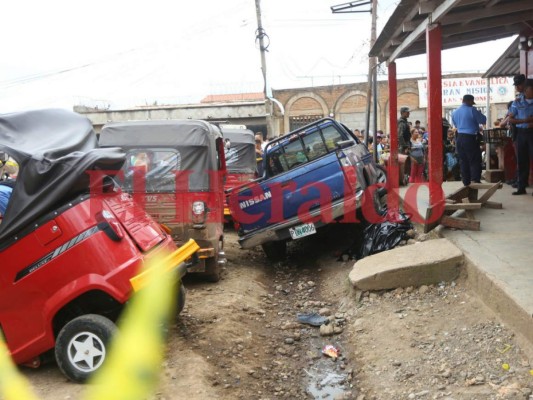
(382, 141)
(461, 145)
(519, 120)
(412, 142)
(464, 140)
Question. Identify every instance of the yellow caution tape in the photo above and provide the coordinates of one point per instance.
(13, 386)
(131, 370)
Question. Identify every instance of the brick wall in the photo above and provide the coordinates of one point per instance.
(305, 106)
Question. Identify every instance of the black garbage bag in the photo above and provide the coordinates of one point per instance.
(386, 235)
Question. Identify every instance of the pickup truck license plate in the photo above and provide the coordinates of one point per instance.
(302, 230)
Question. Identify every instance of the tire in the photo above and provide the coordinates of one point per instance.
(212, 270)
(382, 174)
(275, 251)
(182, 294)
(92, 333)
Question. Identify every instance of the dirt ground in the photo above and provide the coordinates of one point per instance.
(240, 338)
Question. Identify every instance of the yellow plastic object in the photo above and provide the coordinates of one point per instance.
(506, 366)
(13, 385)
(169, 263)
(131, 369)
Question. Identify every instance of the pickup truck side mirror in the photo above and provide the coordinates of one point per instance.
(345, 143)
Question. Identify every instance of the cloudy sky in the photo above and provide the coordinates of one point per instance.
(60, 53)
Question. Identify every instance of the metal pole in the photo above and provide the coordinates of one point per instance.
(266, 88)
(434, 51)
(393, 180)
(368, 102)
(371, 67)
(375, 122)
(489, 125)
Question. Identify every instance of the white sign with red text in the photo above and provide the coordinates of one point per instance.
(453, 90)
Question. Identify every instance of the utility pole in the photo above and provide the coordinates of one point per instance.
(372, 62)
(373, 69)
(260, 35)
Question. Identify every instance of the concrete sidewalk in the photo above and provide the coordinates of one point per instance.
(499, 257)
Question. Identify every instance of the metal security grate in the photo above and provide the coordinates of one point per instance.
(302, 120)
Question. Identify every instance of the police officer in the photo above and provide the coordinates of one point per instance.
(519, 82)
(521, 114)
(467, 119)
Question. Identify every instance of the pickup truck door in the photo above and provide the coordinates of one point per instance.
(291, 194)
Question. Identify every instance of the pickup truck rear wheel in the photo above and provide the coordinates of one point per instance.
(82, 346)
(275, 251)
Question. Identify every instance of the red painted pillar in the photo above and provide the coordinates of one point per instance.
(433, 49)
(393, 167)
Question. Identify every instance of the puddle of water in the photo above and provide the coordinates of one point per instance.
(325, 379)
(325, 384)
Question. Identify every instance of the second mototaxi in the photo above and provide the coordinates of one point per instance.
(240, 161)
(176, 170)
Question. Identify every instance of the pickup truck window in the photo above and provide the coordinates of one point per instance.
(314, 146)
(294, 154)
(331, 136)
(298, 150)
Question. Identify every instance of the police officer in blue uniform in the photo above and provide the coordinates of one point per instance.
(521, 114)
(467, 119)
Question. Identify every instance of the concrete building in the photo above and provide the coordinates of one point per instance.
(346, 103)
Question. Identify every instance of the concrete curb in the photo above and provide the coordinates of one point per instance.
(496, 296)
(423, 263)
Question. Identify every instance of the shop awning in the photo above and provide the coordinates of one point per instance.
(508, 64)
(463, 22)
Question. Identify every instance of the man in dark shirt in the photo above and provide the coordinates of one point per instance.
(404, 131)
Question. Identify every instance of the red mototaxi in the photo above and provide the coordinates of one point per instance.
(70, 241)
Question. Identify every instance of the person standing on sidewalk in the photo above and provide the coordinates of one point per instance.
(467, 120)
(521, 114)
(404, 131)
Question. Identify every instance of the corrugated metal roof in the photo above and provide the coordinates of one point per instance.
(508, 64)
(463, 22)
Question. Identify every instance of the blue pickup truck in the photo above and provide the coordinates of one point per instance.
(315, 175)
